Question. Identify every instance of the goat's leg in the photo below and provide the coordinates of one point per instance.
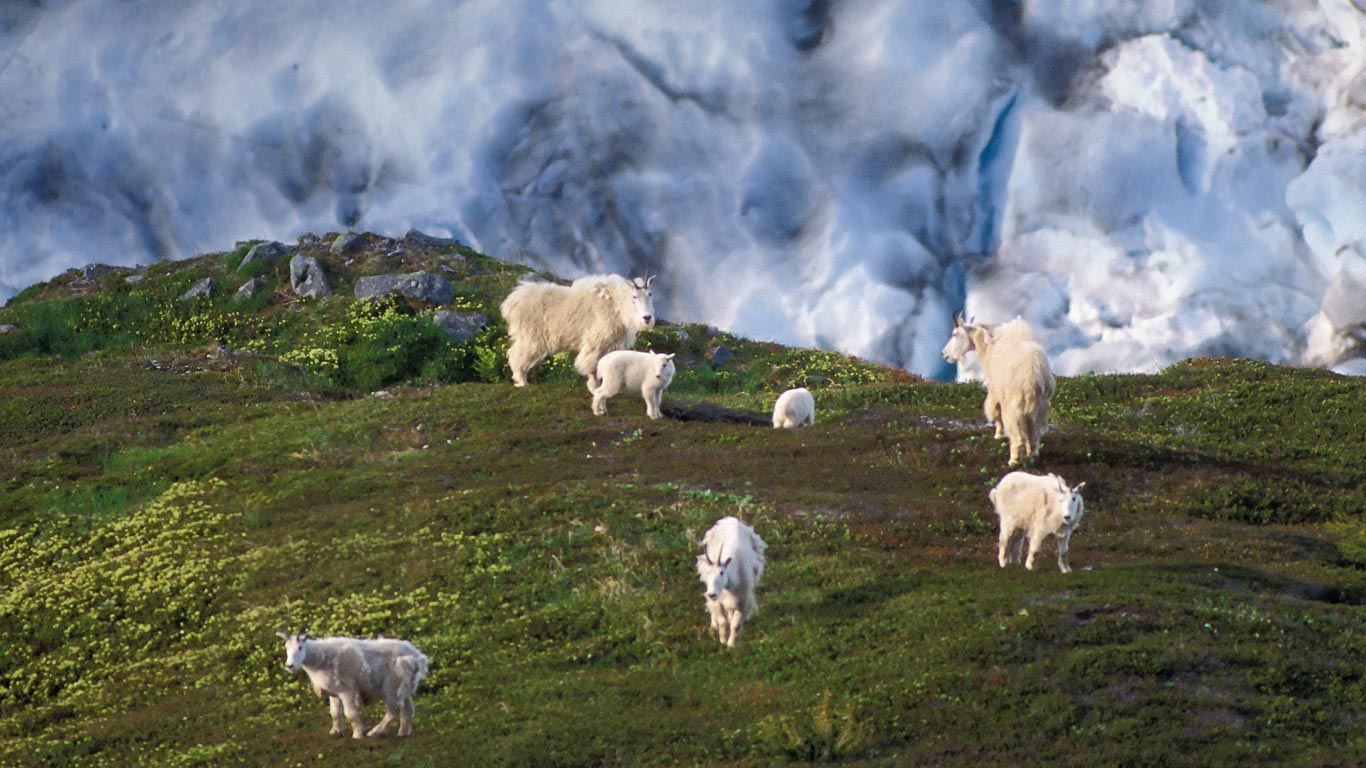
(351, 703)
(334, 704)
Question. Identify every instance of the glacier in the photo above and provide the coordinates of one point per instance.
(1144, 182)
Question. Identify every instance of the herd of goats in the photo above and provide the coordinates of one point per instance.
(598, 318)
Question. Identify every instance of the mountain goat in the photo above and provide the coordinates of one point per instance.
(795, 408)
(1019, 382)
(730, 575)
(1031, 508)
(649, 372)
(350, 672)
(593, 316)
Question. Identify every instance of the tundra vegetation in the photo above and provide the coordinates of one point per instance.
(182, 479)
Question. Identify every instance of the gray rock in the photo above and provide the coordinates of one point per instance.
(718, 355)
(134, 279)
(264, 254)
(200, 290)
(307, 278)
(346, 243)
(249, 289)
(8, 328)
(417, 238)
(460, 326)
(418, 286)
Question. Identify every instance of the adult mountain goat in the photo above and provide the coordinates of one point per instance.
(1032, 508)
(1019, 381)
(593, 316)
(350, 672)
(731, 564)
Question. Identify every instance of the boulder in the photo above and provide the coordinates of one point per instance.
(307, 278)
(264, 255)
(200, 290)
(435, 290)
(249, 289)
(460, 326)
(346, 243)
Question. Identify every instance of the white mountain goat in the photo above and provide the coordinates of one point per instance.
(648, 372)
(1019, 382)
(591, 317)
(1031, 508)
(731, 564)
(350, 672)
(795, 408)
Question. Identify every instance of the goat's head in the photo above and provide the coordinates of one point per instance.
(1070, 506)
(715, 573)
(664, 370)
(294, 649)
(960, 340)
(643, 302)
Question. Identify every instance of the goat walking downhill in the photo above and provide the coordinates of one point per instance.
(591, 317)
(1032, 508)
(1019, 381)
(730, 566)
(350, 672)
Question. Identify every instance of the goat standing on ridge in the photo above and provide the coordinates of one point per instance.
(1019, 382)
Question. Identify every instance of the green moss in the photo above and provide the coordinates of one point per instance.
(168, 506)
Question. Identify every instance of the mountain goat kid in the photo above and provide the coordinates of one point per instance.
(350, 672)
(1019, 381)
(648, 372)
(795, 408)
(1031, 508)
(592, 317)
(730, 575)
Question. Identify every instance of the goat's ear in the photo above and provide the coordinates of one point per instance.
(282, 635)
(649, 281)
(726, 562)
(669, 356)
(957, 319)
(1078, 486)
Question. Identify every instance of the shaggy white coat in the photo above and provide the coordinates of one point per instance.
(730, 566)
(591, 317)
(1031, 508)
(795, 408)
(1019, 381)
(350, 672)
(646, 372)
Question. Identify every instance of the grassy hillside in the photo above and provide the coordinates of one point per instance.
(183, 479)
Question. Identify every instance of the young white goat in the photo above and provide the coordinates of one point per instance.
(731, 564)
(1031, 508)
(350, 672)
(1019, 381)
(648, 372)
(591, 317)
(795, 408)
